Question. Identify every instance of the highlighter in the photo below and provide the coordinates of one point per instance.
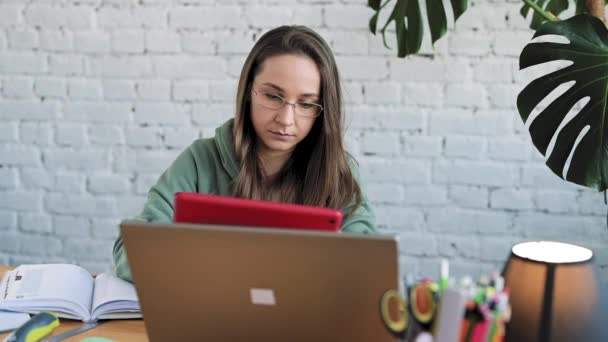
(445, 273)
(35, 329)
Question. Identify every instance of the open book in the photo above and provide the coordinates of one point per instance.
(69, 291)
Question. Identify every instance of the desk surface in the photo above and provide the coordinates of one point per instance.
(118, 330)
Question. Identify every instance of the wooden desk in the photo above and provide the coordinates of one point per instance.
(118, 330)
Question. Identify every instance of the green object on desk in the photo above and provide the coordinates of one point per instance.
(35, 329)
(96, 339)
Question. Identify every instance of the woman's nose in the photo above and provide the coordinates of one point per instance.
(286, 114)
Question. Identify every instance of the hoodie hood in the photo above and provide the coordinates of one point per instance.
(224, 140)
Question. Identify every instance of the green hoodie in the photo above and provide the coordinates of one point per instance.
(208, 166)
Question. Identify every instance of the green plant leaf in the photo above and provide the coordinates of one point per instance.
(580, 7)
(459, 7)
(436, 15)
(557, 6)
(374, 4)
(588, 50)
(409, 38)
(407, 17)
(552, 7)
(373, 22)
(537, 20)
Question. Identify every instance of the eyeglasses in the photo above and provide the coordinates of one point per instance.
(273, 101)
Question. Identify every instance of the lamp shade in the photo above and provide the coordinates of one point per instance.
(553, 293)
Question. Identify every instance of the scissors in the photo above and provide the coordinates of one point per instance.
(75, 331)
(424, 299)
(396, 324)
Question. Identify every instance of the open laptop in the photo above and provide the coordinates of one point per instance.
(212, 209)
(215, 283)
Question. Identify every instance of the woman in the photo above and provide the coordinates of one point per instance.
(284, 144)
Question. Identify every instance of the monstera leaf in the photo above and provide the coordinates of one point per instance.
(553, 7)
(410, 32)
(588, 50)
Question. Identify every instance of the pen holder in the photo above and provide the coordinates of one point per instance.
(475, 314)
(482, 323)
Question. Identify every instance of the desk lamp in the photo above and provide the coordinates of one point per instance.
(553, 293)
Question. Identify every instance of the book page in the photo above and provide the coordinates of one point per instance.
(55, 287)
(114, 295)
(12, 320)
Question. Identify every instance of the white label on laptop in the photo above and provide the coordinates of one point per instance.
(262, 296)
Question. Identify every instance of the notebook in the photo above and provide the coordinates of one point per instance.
(12, 320)
(214, 283)
(69, 291)
(211, 209)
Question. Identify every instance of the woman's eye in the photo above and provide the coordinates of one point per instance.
(306, 105)
(274, 97)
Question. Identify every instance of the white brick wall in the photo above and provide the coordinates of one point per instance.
(57, 40)
(98, 97)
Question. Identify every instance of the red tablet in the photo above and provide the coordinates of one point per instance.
(211, 209)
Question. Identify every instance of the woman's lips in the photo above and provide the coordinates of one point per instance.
(281, 136)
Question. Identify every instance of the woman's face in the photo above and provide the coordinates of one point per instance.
(296, 79)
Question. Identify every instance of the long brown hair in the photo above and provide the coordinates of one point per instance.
(317, 172)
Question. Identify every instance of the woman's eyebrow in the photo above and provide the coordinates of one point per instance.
(272, 85)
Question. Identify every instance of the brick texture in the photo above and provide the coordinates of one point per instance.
(97, 98)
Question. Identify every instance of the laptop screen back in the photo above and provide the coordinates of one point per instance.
(218, 284)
